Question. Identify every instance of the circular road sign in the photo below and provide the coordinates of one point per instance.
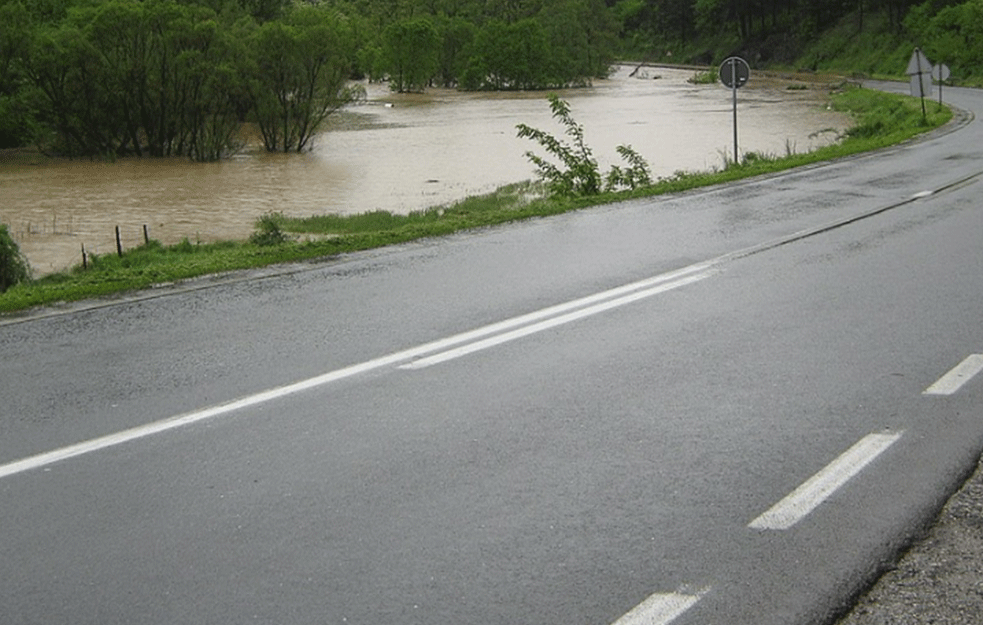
(734, 72)
(941, 72)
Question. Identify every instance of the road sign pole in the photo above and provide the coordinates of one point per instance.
(920, 69)
(921, 84)
(734, 72)
(940, 73)
(733, 89)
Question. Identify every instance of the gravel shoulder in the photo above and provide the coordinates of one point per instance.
(940, 579)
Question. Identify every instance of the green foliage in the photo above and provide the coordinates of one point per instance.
(298, 75)
(952, 35)
(635, 176)
(708, 77)
(411, 53)
(268, 231)
(13, 266)
(456, 35)
(509, 56)
(578, 173)
(885, 120)
(582, 39)
(566, 44)
(875, 49)
(130, 77)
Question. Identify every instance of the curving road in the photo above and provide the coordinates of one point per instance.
(730, 406)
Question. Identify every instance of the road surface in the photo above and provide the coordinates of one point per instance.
(728, 406)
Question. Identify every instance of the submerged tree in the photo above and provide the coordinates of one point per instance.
(411, 54)
(299, 75)
(130, 77)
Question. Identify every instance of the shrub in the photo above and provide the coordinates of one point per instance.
(269, 232)
(578, 173)
(13, 266)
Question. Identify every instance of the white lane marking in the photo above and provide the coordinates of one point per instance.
(959, 375)
(661, 608)
(822, 485)
(551, 323)
(117, 438)
(922, 194)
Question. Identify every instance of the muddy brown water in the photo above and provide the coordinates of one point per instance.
(399, 153)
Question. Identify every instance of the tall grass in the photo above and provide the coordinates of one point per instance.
(881, 119)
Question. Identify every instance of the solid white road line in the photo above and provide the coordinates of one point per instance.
(822, 485)
(117, 438)
(959, 375)
(551, 323)
(660, 609)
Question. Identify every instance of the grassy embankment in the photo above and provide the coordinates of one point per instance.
(880, 120)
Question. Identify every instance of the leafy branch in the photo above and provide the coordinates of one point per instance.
(578, 173)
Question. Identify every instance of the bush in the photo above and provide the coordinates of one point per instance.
(269, 232)
(578, 174)
(13, 266)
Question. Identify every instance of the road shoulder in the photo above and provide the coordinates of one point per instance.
(939, 579)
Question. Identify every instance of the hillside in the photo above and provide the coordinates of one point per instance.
(871, 43)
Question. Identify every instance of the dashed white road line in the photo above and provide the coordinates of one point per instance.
(661, 608)
(814, 491)
(957, 377)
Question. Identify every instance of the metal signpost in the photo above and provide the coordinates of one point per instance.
(941, 74)
(734, 73)
(920, 71)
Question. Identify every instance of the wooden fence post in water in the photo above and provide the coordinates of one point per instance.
(85, 260)
(119, 245)
(146, 235)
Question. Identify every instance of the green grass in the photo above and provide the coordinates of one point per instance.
(876, 50)
(881, 120)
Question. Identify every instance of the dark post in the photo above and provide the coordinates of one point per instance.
(733, 77)
(85, 260)
(119, 244)
(146, 235)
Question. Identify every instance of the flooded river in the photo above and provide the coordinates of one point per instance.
(399, 153)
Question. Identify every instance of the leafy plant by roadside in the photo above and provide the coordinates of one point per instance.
(13, 266)
(268, 231)
(578, 173)
(635, 176)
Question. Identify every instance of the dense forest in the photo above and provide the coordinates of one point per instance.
(110, 78)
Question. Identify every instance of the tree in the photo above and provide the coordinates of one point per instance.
(138, 77)
(16, 122)
(953, 35)
(582, 37)
(68, 73)
(411, 52)
(456, 35)
(299, 76)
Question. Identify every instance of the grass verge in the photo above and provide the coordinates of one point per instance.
(881, 120)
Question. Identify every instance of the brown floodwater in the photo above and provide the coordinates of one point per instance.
(397, 152)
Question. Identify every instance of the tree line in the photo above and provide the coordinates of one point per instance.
(167, 78)
(110, 78)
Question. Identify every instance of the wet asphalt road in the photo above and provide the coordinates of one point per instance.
(635, 390)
